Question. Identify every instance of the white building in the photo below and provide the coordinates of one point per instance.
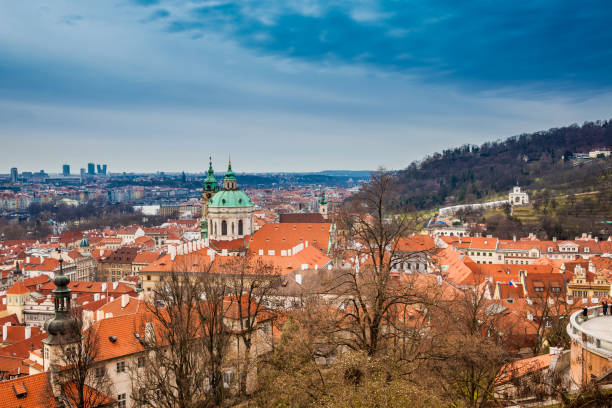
(518, 197)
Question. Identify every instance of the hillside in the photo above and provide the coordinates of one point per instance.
(539, 161)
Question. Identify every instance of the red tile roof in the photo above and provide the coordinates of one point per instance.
(18, 288)
(33, 391)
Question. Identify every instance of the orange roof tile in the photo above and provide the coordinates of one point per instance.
(18, 288)
(33, 391)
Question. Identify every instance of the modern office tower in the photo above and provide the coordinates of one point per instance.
(66, 170)
(91, 169)
(82, 175)
(101, 169)
(14, 174)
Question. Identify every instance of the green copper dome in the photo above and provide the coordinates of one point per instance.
(230, 198)
(84, 242)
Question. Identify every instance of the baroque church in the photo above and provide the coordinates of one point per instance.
(227, 214)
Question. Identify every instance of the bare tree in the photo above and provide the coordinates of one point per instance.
(250, 285)
(371, 227)
(185, 340)
(82, 379)
(470, 350)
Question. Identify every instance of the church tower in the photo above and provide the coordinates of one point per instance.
(210, 188)
(63, 328)
(323, 205)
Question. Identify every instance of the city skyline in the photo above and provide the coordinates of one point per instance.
(292, 86)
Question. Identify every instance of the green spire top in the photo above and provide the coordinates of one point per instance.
(229, 181)
(210, 183)
(230, 172)
(323, 199)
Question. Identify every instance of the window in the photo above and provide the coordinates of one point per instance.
(223, 227)
(539, 288)
(100, 371)
(141, 362)
(121, 401)
(228, 378)
(148, 277)
(240, 227)
(121, 366)
(232, 228)
(555, 289)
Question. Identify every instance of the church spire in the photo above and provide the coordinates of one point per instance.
(62, 328)
(229, 181)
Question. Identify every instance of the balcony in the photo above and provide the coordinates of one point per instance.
(593, 333)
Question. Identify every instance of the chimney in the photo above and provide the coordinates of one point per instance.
(125, 299)
(5, 331)
(103, 286)
(298, 278)
(28, 332)
(554, 239)
(514, 238)
(115, 284)
(99, 315)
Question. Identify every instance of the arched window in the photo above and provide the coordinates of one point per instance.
(240, 229)
(223, 227)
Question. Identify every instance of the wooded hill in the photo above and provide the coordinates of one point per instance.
(540, 161)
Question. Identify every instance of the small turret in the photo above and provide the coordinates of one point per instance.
(63, 327)
(323, 205)
(229, 181)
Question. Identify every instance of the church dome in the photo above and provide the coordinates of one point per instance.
(84, 242)
(230, 199)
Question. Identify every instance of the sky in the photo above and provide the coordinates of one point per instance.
(291, 85)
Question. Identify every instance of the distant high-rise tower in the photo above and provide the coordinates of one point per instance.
(101, 169)
(66, 170)
(91, 169)
(14, 174)
(82, 175)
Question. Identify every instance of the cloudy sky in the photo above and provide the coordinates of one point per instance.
(291, 85)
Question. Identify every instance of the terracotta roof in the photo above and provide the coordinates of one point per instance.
(416, 243)
(520, 368)
(18, 288)
(285, 236)
(33, 391)
(146, 257)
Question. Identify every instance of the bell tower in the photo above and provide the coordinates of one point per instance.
(323, 205)
(63, 328)
(210, 188)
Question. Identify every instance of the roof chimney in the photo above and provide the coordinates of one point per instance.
(554, 239)
(125, 299)
(298, 278)
(5, 331)
(103, 286)
(99, 314)
(115, 284)
(514, 238)
(28, 332)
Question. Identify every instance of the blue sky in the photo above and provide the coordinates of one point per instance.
(294, 85)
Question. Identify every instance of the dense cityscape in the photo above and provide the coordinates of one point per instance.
(305, 204)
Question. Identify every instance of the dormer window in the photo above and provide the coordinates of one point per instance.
(586, 249)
